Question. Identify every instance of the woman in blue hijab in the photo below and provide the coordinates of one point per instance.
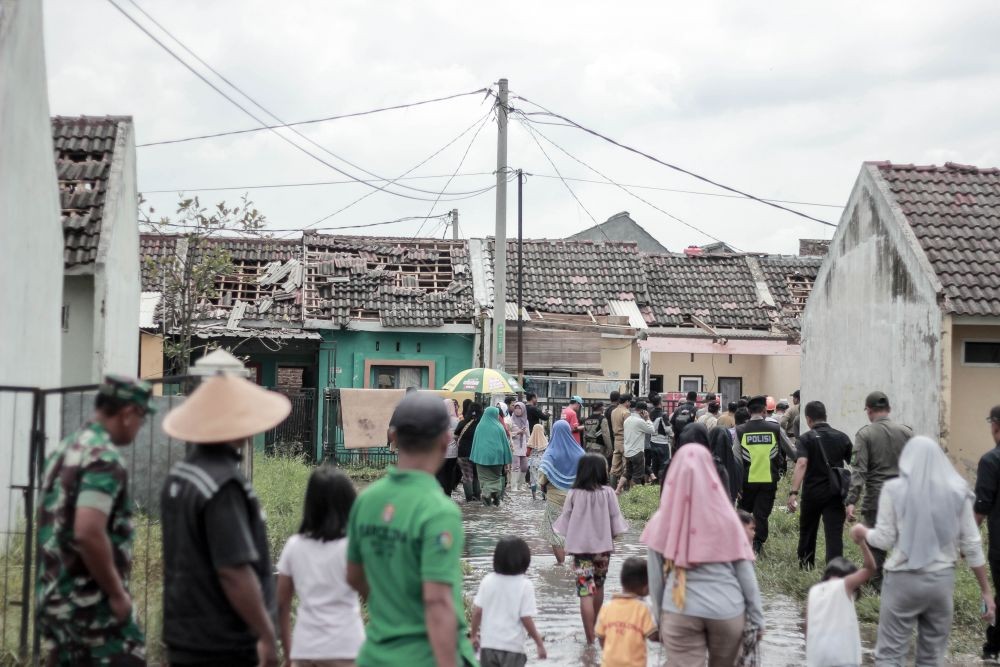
(490, 453)
(556, 474)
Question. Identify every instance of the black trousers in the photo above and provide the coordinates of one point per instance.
(830, 509)
(868, 518)
(992, 645)
(758, 499)
(659, 454)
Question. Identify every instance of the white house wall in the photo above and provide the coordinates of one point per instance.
(872, 320)
(118, 272)
(31, 253)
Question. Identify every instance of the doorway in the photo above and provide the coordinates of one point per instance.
(731, 389)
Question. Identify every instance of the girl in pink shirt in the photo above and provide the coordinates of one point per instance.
(590, 520)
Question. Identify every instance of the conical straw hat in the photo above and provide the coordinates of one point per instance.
(225, 408)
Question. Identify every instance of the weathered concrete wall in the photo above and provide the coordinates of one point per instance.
(872, 320)
(79, 353)
(148, 460)
(974, 390)
(31, 250)
(117, 303)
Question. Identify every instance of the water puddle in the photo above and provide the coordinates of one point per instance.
(558, 608)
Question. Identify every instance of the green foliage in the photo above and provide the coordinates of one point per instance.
(188, 279)
(778, 571)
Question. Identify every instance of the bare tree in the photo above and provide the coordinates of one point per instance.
(187, 275)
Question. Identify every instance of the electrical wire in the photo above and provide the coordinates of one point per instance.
(624, 189)
(479, 121)
(457, 169)
(705, 179)
(531, 133)
(486, 173)
(319, 229)
(355, 114)
(282, 123)
(313, 183)
(247, 111)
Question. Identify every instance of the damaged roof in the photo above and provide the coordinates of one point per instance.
(397, 281)
(717, 289)
(954, 212)
(84, 151)
(573, 277)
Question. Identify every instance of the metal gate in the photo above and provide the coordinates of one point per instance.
(334, 450)
(32, 421)
(294, 436)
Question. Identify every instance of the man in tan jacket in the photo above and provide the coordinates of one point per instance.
(618, 418)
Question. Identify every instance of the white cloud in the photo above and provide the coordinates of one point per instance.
(785, 99)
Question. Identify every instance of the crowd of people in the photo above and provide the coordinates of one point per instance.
(398, 546)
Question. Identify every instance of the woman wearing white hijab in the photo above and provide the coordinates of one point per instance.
(925, 516)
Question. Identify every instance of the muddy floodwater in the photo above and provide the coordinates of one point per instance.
(558, 616)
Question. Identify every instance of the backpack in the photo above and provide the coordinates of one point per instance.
(682, 417)
(660, 434)
(592, 438)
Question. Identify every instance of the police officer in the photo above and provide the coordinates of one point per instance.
(85, 536)
(218, 595)
(761, 443)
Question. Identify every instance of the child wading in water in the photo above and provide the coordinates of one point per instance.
(836, 641)
(590, 520)
(626, 623)
(503, 608)
(313, 565)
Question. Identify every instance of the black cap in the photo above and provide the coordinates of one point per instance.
(877, 401)
(995, 414)
(420, 417)
(757, 404)
(795, 394)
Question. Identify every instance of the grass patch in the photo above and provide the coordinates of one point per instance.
(778, 571)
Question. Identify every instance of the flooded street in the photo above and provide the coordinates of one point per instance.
(558, 608)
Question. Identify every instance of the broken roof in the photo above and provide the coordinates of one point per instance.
(399, 282)
(84, 151)
(572, 277)
(954, 212)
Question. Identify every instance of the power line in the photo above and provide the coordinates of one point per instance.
(267, 111)
(485, 173)
(573, 194)
(314, 183)
(460, 163)
(705, 179)
(318, 229)
(626, 190)
(414, 168)
(355, 114)
(244, 109)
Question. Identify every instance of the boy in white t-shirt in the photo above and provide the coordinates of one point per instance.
(832, 635)
(503, 608)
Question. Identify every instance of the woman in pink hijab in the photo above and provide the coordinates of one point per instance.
(701, 578)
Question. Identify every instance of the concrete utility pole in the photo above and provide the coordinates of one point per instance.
(500, 236)
(454, 224)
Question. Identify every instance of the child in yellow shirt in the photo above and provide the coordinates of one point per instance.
(625, 622)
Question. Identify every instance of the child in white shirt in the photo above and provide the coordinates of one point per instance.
(832, 635)
(503, 608)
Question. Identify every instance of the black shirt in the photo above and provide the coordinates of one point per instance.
(611, 428)
(467, 434)
(536, 416)
(987, 492)
(837, 447)
(211, 519)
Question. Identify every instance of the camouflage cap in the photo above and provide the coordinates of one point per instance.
(128, 389)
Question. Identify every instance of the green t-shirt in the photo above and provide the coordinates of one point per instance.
(405, 532)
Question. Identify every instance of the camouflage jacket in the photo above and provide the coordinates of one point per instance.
(86, 470)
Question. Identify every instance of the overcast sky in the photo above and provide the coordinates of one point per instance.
(783, 99)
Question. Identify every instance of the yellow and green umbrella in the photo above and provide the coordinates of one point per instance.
(484, 381)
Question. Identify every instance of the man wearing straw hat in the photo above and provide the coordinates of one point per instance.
(404, 549)
(85, 536)
(218, 588)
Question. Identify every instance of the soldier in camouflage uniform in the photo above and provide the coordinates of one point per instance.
(85, 537)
